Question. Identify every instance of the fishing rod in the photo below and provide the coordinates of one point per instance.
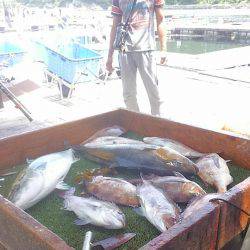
(13, 98)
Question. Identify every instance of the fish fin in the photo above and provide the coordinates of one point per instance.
(178, 174)
(81, 222)
(139, 211)
(63, 186)
(228, 161)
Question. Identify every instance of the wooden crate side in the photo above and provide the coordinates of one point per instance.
(194, 233)
(232, 220)
(20, 231)
(14, 150)
(230, 147)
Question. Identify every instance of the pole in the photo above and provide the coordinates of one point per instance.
(18, 104)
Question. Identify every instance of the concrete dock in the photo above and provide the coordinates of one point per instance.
(205, 97)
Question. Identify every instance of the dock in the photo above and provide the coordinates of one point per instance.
(229, 31)
(214, 97)
(217, 60)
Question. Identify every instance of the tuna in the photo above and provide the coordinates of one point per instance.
(137, 156)
(177, 146)
(40, 178)
(109, 131)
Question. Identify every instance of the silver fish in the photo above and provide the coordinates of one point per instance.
(109, 131)
(114, 141)
(179, 147)
(158, 208)
(197, 203)
(93, 211)
(213, 170)
(40, 178)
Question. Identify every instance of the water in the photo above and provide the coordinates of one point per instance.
(195, 47)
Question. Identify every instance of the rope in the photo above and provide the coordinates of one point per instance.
(220, 199)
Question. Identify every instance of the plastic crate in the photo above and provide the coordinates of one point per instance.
(74, 63)
(39, 52)
(11, 53)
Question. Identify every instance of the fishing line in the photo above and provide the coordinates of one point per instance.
(220, 199)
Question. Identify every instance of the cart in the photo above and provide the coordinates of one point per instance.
(71, 64)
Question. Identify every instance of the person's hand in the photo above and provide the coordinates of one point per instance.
(109, 65)
(163, 56)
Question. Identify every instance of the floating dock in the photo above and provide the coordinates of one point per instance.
(235, 31)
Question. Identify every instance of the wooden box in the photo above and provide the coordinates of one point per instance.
(214, 225)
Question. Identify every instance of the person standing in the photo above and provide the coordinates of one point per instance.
(138, 50)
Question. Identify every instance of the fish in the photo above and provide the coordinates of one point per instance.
(157, 207)
(213, 170)
(40, 178)
(106, 244)
(130, 156)
(113, 242)
(114, 190)
(197, 203)
(112, 141)
(177, 146)
(109, 131)
(170, 155)
(178, 188)
(93, 211)
(125, 156)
